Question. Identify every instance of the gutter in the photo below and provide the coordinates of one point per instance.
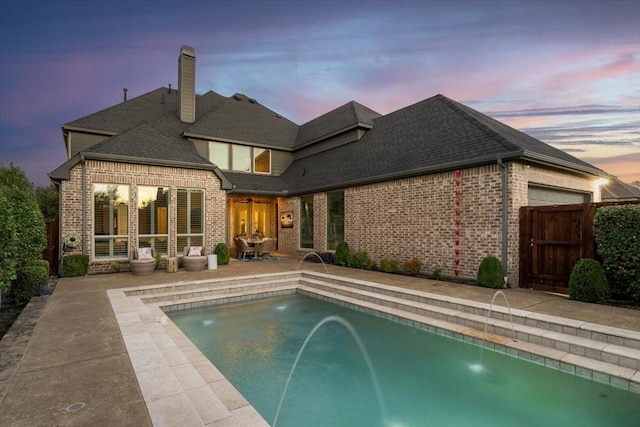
(84, 204)
(505, 222)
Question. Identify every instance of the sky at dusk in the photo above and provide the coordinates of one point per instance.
(565, 72)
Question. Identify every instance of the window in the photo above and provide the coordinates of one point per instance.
(190, 218)
(219, 154)
(306, 222)
(261, 160)
(335, 218)
(111, 221)
(241, 158)
(153, 218)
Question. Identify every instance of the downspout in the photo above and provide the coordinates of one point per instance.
(84, 204)
(505, 222)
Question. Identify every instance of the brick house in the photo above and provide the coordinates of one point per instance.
(437, 180)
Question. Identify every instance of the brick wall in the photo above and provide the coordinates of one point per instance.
(416, 217)
(135, 175)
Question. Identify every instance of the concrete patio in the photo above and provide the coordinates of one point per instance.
(67, 348)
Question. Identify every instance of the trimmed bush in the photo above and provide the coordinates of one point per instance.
(361, 259)
(490, 273)
(588, 282)
(40, 262)
(436, 274)
(411, 267)
(75, 265)
(617, 233)
(342, 254)
(222, 250)
(390, 266)
(28, 282)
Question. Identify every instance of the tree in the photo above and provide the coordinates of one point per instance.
(48, 201)
(22, 229)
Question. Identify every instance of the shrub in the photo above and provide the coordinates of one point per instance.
(22, 228)
(115, 267)
(222, 250)
(617, 233)
(40, 262)
(390, 266)
(75, 265)
(490, 273)
(158, 260)
(28, 282)
(342, 254)
(436, 274)
(361, 259)
(411, 267)
(588, 282)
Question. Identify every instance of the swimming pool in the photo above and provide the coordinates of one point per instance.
(424, 379)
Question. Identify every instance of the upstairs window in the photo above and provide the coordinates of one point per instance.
(261, 160)
(240, 158)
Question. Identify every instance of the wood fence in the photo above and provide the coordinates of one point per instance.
(552, 240)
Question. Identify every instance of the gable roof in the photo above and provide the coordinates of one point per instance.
(618, 190)
(433, 135)
(343, 118)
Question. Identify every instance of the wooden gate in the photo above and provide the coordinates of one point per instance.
(552, 240)
(50, 253)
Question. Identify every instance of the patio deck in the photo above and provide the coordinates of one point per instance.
(67, 348)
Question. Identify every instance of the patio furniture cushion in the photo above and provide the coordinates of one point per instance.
(194, 262)
(142, 266)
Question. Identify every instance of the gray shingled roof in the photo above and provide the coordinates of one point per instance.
(240, 118)
(432, 135)
(257, 184)
(149, 107)
(145, 141)
(343, 118)
(618, 190)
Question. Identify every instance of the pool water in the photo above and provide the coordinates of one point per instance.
(425, 379)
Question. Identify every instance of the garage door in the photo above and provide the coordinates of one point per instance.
(540, 196)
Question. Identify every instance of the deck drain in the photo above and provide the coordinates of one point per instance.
(75, 407)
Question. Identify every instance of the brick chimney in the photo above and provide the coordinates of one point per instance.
(187, 84)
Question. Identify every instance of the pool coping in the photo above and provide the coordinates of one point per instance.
(179, 384)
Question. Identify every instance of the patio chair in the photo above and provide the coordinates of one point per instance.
(242, 247)
(143, 261)
(267, 246)
(193, 259)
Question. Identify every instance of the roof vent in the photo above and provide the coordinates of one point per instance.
(237, 97)
(253, 101)
(124, 89)
(278, 116)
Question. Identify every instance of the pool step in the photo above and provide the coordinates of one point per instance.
(600, 353)
(625, 357)
(605, 334)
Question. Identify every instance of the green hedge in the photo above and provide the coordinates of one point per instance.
(490, 273)
(22, 228)
(390, 266)
(617, 233)
(75, 265)
(588, 282)
(28, 282)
